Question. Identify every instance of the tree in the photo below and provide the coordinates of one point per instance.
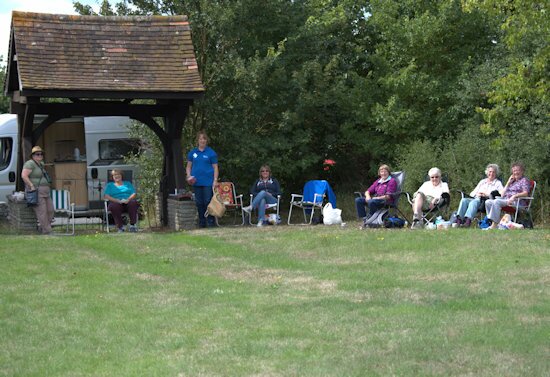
(424, 50)
(293, 83)
(4, 100)
(517, 113)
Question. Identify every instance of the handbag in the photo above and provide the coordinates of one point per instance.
(32, 197)
(216, 207)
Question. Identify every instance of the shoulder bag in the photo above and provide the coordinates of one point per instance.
(216, 207)
(31, 196)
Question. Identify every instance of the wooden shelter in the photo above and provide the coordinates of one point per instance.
(142, 67)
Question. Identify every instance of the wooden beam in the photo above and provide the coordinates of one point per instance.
(174, 170)
(56, 93)
(108, 108)
(50, 119)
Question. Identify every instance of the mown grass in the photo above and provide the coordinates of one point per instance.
(282, 301)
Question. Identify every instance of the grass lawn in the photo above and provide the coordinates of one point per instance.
(278, 301)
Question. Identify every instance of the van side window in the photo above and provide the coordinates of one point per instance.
(116, 149)
(6, 147)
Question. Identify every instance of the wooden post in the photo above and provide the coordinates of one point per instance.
(174, 168)
(25, 119)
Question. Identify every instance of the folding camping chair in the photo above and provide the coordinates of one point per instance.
(107, 213)
(393, 207)
(232, 201)
(127, 176)
(481, 212)
(312, 199)
(62, 205)
(268, 207)
(441, 209)
(523, 210)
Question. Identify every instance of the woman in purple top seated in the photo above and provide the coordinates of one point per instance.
(378, 194)
(518, 186)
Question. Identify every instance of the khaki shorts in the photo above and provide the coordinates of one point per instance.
(427, 200)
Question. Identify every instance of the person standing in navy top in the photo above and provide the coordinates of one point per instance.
(202, 174)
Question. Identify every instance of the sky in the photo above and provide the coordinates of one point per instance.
(39, 6)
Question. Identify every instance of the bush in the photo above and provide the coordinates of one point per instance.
(150, 162)
(464, 158)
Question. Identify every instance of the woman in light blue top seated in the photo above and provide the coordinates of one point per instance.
(468, 207)
(122, 198)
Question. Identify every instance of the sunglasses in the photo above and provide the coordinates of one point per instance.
(38, 154)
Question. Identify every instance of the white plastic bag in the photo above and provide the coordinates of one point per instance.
(331, 216)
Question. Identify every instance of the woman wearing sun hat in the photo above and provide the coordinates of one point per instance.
(36, 178)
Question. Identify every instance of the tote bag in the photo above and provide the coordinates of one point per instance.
(215, 208)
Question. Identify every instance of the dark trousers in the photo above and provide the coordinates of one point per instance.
(373, 204)
(117, 209)
(203, 195)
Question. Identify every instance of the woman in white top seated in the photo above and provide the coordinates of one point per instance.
(432, 193)
(468, 207)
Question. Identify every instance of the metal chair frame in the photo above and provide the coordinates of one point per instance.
(126, 174)
(512, 210)
(273, 207)
(62, 204)
(297, 200)
(231, 200)
(399, 176)
(318, 192)
(518, 209)
(439, 209)
(106, 214)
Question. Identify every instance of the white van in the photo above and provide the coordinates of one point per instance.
(8, 154)
(79, 154)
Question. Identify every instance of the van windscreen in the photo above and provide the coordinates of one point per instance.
(6, 147)
(116, 149)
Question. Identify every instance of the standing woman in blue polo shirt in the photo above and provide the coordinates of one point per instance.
(202, 174)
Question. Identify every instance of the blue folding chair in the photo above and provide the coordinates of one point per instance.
(313, 197)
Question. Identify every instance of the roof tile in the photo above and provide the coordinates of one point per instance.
(97, 53)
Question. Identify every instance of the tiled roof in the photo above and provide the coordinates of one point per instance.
(97, 53)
